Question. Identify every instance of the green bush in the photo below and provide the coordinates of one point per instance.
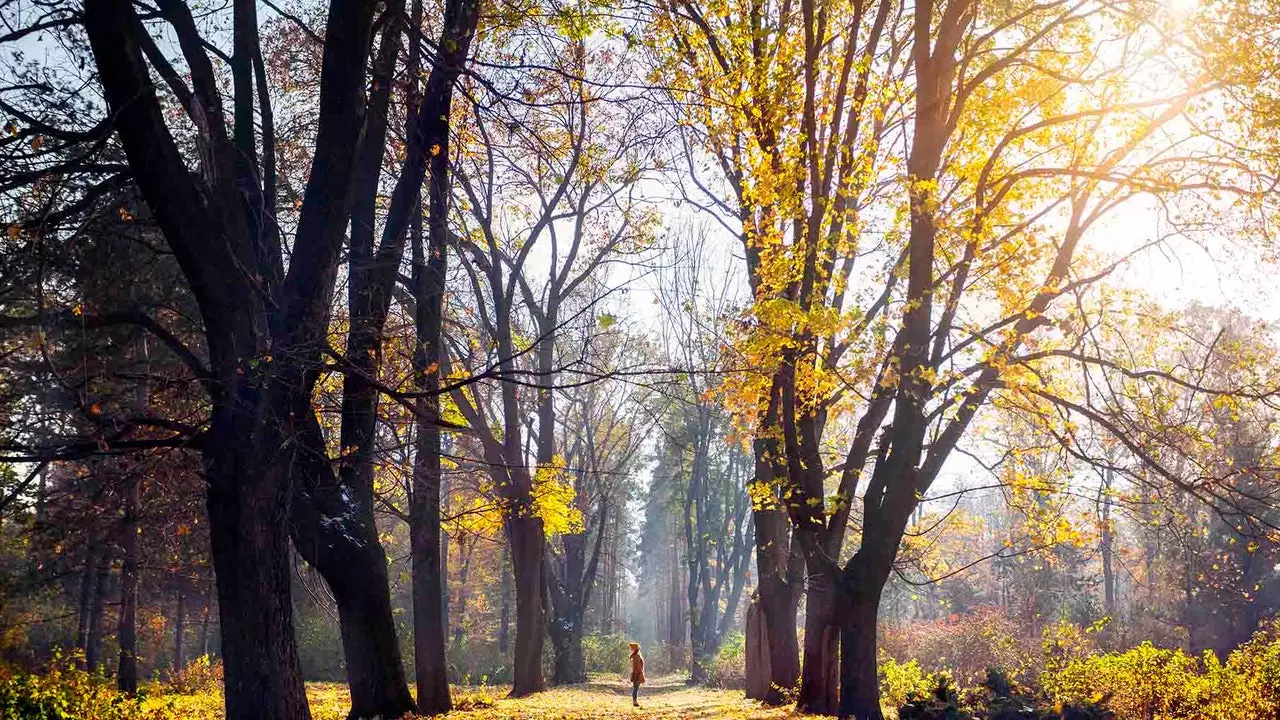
(1146, 682)
(728, 669)
(606, 654)
(202, 675)
(898, 682)
(65, 692)
(479, 661)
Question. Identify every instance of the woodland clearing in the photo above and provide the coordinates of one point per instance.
(665, 698)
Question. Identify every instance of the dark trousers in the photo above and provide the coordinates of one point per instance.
(635, 692)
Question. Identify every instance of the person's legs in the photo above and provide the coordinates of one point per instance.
(635, 693)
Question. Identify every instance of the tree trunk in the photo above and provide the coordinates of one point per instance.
(206, 617)
(248, 505)
(570, 666)
(504, 612)
(179, 633)
(93, 638)
(127, 674)
(338, 535)
(819, 679)
(859, 680)
(88, 578)
(459, 630)
(430, 669)
(1107, 548)
(335, 531)
(527, 550)
(757, 640)
(778, 560)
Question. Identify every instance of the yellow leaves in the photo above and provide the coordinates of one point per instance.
(553, 500)
(762, 495)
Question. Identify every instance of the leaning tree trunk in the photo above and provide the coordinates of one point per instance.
(334, 530)
(334, 525)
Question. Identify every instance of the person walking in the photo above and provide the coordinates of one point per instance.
(637, 673)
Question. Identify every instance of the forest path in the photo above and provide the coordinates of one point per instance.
(662, 698)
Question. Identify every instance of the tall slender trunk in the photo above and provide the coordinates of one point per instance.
(127, 674)
(1107, 548)
(504, 611)
(206, 616)
(431, 671)
(88, 578)
(179, 633)
(458, 628)
(675, 604)
(93, 634)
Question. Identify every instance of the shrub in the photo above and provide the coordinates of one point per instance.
(728, 669)
(898, 682)
(966, 645)
(1149, 682)
(938, 699)
(1247, 687)
(202, 675)
(477, 661)
(607, 654)
(65, 692)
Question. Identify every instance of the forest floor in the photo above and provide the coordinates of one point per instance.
(661, 699)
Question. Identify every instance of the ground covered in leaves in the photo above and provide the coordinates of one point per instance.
(661, 699)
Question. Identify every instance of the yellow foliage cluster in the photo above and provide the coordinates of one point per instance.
(553, 500)
(1150, 683)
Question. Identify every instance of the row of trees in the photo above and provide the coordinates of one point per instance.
(237, 153)
(923, 193)
(915, 186)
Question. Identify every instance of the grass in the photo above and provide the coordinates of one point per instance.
(604, 697)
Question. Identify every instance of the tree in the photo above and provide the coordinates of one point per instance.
(556, 171)
(429, 138)
(602, 432)
(698, 447)
(260, 372)
(1000, 181)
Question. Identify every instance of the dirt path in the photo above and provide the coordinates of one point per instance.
(660, 699)
(666, 698)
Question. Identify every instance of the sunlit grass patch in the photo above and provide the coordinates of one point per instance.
(603, 697)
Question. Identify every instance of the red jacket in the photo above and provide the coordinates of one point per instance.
(637, 668)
